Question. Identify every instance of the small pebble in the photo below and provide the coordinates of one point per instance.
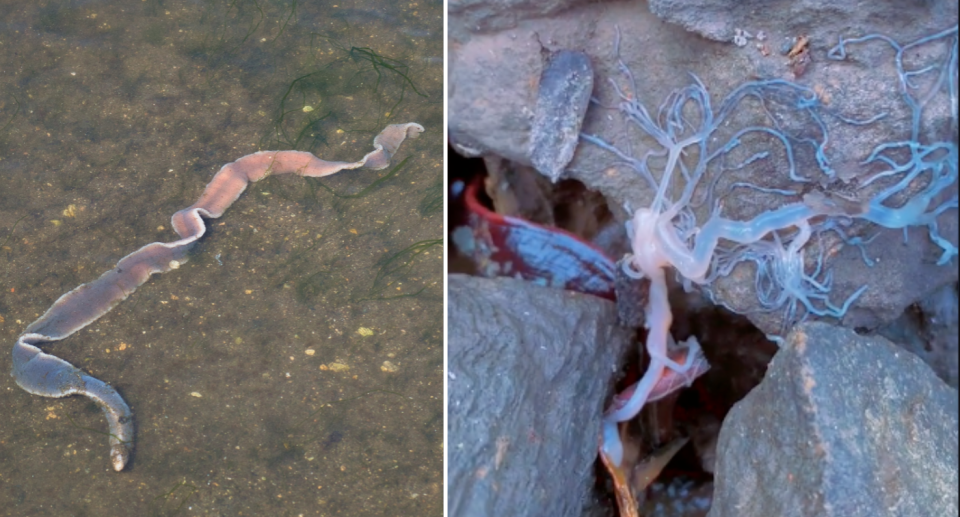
(786, 46)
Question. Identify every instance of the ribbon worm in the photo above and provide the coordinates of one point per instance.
(503, 245)
(49, 376)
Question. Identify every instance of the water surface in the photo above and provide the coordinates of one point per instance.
(255, 390)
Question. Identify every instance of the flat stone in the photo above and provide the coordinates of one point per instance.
(564, 93)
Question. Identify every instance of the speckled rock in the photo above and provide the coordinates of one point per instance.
(719, 19)
(565, 88)
(467, 16)
(842, 426)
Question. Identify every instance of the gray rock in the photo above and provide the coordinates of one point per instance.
(718, 19)
(492, 92)
(468, 16)
(842, 425)
(564, 93)
(528, 373)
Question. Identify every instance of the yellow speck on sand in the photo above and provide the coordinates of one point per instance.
(387, 366)
(364, 331)
(238, 340)
(353, 231)
(338, 367)
(56, 222)
(195, 394)
(123, 346)
(307, 109)
(309, 351)
(70, 211)
(248, 291)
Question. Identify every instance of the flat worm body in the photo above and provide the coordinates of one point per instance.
(49, 376)
(502, 245)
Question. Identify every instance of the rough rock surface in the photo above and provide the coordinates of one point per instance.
(842, 425)
(493, 84)
(468, 16)
(718, 19)
(565, 88)
(524, 396)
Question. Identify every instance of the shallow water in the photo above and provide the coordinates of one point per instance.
(116, 115)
